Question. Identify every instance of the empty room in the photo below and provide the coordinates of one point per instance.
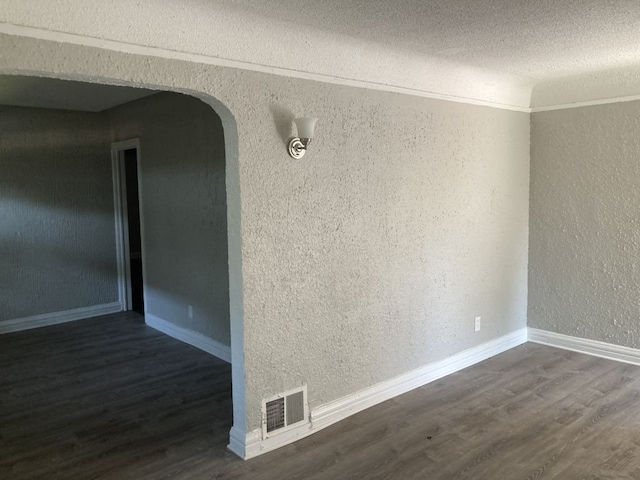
(319, 240)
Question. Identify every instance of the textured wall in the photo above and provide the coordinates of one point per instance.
(369, 257)
(372, 255)
(584, 277)
(602, 87)
(57, 239)
(546, 53)
(184, 208)
(249, 35)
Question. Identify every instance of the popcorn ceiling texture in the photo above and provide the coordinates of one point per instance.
(541, 40)
(489, 50)
(584, 260)
(227, 30)
(26, 91)
(372, 255)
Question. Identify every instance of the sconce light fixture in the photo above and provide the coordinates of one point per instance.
(298, 145)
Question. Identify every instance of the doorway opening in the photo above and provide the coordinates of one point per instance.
(129, 245)
(161, 252)
(68, 176)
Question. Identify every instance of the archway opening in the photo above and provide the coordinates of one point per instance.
(75, 159)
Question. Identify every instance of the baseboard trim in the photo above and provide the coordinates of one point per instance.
(195, 339)
(54, 318)
(586, 346)
(251, 444)
(337, 410)
(238, 441)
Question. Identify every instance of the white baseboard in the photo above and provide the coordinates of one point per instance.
(194, 339)
(337, 410)
(238, 441)
(46, 319)
(251, 444)
(584, 345)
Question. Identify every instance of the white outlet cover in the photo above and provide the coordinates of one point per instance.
(477, 323)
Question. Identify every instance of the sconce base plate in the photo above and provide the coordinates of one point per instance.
(297, 148)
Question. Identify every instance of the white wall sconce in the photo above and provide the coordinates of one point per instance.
(298, 145)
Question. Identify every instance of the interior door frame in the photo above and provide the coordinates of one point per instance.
(122, 219)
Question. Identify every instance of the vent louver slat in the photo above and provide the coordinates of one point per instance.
(285, 411)
(275, 414)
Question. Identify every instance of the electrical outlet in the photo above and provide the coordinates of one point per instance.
(477, 323)
(190, 311)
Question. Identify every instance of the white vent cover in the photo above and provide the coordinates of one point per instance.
(285, 410)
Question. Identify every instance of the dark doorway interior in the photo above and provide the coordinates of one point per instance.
(135, 242)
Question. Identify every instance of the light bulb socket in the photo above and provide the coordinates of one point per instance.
(298, 147)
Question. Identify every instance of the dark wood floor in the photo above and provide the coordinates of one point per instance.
(109, 398)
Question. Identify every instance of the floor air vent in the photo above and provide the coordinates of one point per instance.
(284, 410)
(275, 415)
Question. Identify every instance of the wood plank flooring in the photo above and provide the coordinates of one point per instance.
(110, 398)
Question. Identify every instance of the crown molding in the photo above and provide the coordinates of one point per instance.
(587, 103)
(554, 92)
(135, 49)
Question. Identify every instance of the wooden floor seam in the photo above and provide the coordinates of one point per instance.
(110, 398)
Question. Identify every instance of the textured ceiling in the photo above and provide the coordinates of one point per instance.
(64, 95)
(540, 39)
(505, 53)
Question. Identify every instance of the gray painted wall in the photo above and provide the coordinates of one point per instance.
(57, 247)
(371, 256)
(584, 277)
(184, 209)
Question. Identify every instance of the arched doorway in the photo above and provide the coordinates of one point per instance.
(174, 219)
